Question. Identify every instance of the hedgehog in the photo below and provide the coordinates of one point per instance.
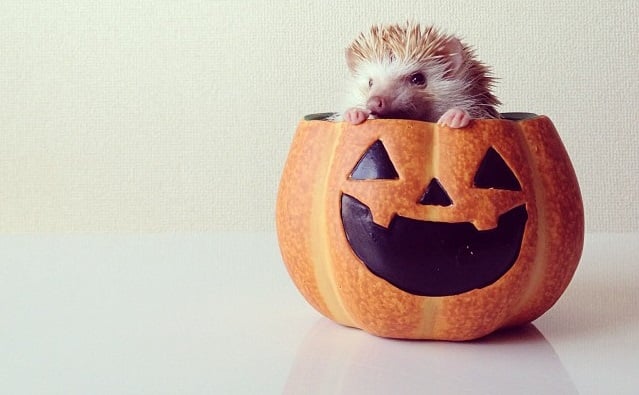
(410, 72)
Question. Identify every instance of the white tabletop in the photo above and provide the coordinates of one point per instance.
(217, 314)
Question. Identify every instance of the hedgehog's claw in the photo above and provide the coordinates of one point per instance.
(356, 115)
(455, 118)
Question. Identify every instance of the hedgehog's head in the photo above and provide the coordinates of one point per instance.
(410, 72)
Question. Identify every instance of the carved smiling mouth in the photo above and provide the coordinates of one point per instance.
(433, 258)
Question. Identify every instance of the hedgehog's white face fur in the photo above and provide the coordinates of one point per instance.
(418, 73)
(410, 90)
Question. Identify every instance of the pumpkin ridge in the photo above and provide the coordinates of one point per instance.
(430, 318)
(539, 265)
(292, 221)
(563, 218)
(323, 260)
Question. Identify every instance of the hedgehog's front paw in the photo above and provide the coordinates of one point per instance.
(356, 115)
(455, 118)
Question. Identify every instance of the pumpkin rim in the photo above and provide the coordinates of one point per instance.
(506, 116)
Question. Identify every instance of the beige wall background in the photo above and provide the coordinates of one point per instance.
(125, 116)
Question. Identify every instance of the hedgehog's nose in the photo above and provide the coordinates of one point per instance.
(377, 104)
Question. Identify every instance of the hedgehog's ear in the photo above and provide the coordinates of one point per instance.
(453, 51)
(351, 59)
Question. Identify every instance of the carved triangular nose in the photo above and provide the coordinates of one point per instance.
(435, 195)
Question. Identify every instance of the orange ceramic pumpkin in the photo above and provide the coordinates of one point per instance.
(406, 229)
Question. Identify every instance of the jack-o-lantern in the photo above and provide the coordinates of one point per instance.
(407, 229)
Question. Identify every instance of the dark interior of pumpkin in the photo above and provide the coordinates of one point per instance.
(511, 116)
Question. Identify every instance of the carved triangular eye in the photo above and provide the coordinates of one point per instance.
(493, 172)
(435, 195)
(375, 164)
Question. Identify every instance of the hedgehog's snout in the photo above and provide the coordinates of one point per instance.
(377, 104)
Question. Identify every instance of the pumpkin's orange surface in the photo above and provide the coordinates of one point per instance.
(328, 171)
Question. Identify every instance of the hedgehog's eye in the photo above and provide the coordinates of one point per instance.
(418, 79)
(370, 82)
